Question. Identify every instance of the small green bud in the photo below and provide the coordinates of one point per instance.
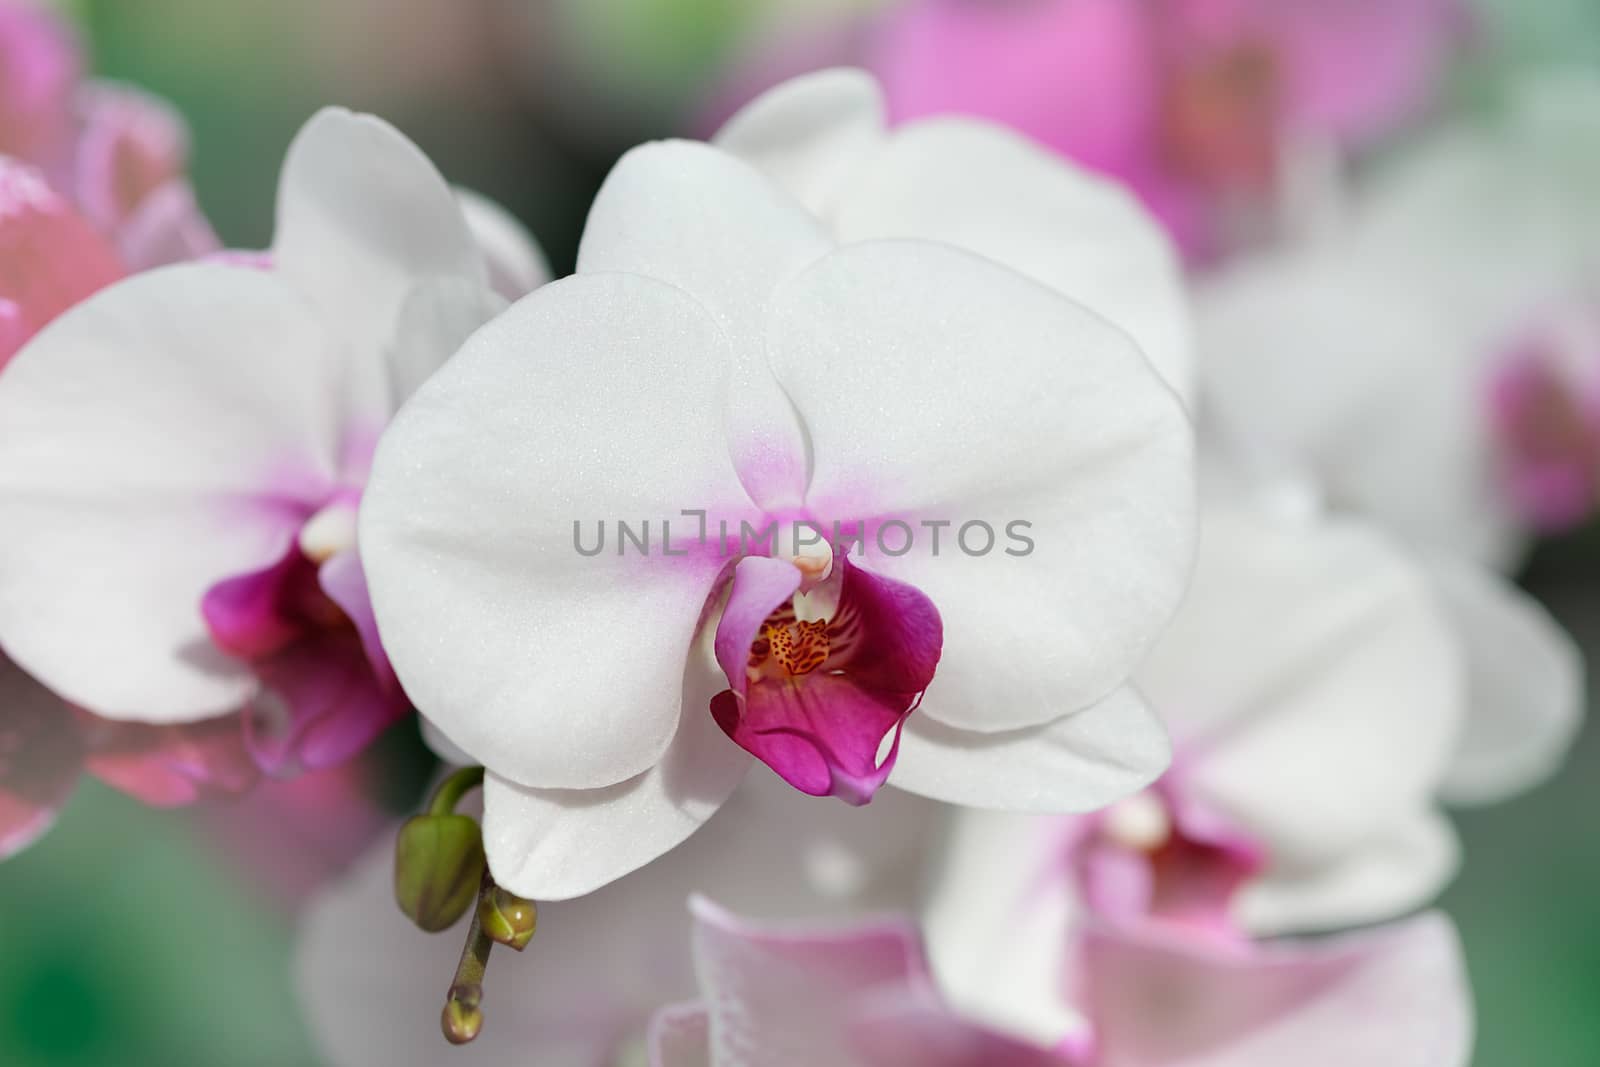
(462, 1019)
(508, 919)
(438, 865)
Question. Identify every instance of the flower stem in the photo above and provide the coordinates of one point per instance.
(452, 789)
(462, 1019)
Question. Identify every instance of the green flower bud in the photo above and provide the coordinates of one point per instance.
(508, 919)
(438, 866)
(462, 1019)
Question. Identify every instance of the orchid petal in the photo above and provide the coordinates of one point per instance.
(132, 145)
(701, 220)
(810, 133)
(939, 387)
(554, 670)
(554, 844)
(168, 228)
(1080, 762)
(1304, 657)
(1525, 687)
(50, 258)
(160, 437)
(792, 992)
(1000, 922)
(516, 264)
(1393, 995)
(1403, 865)
(435, 320)
(680, 1036)
(983, 188)
(363, 216)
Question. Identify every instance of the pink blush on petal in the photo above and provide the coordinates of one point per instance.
(132, 145)
(170, 766)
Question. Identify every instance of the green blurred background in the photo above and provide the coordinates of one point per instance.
(124, 941)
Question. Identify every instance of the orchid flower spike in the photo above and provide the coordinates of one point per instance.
(371, 981)
(776, 995)
(184, 453)
(879, 510)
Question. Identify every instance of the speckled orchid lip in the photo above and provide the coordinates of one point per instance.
(824, 661)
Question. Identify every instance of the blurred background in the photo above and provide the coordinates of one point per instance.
(125, 941)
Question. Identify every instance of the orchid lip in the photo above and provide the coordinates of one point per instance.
(821, 682)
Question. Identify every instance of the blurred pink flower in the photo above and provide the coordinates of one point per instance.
(50, 258)
(1196, 104)
(1192, 102)
(1544, 410)
(120, 154)
(46, 744)
(861, 996)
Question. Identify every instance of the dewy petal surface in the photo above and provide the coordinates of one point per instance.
(1525, 686)
(1080, 762)
(598, 398)
(697, 218)
(810, 133)
(986, 189)
(363, 216)
(555, 844)
(159, 438)
(940, 387)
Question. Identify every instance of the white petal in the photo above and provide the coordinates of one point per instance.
(435, 320)
(556, 844)
(1525, 679)
(516, 264)
(1080, 762)
(1305, 658)
(989, 190)
(442, 746)
(701, 220)
(940, 387)
(810, 133)
(362, 217)
(597, 398)
(1352, 367)
(148, 434)
(999, 925)
(1403, 866)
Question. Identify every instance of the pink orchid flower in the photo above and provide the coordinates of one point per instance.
(50, 258)
(185, 450)
(722, 357)
(861, 996)
(119, 153)
(1198, 105)
(46, 745)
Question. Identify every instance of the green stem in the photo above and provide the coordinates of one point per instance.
(463, 1009)
(452, 789)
